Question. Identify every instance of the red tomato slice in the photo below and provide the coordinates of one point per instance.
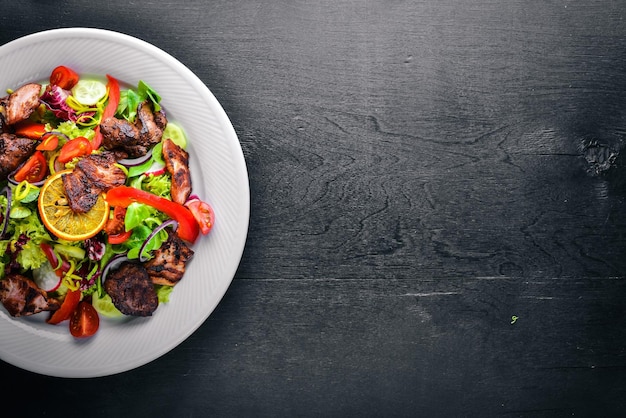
(204, 214)
(30, 130)
(33, 170)
(69, 305)
(49, 142)
(84, 321)
(73, 148)
(63, 77)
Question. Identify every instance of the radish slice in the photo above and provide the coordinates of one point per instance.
(156, 169)
(46, 278)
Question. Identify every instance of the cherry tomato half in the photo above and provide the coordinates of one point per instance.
(76, 147)
(33, 170)
(203, 212)
(84, 321)
(49, 142)
(63, 77)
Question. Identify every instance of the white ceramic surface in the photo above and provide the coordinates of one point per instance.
(219, 176)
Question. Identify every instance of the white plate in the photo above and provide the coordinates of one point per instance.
(219, 176)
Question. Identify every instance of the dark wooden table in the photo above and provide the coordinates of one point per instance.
(438, 214)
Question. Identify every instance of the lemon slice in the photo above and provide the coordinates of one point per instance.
(89, 92)
(62, 221)
(174, 132)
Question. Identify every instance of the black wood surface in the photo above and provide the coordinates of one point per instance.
(438, 214)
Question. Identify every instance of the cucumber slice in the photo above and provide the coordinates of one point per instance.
(89, 92)
(175, 132)
(104, 306)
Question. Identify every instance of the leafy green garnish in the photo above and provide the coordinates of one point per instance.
(130, 100)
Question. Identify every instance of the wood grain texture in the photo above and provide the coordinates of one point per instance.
(421, 172)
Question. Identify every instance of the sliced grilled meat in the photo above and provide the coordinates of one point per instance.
(150, 126)
(81, 193)
(177, 164)
(131, 290)
(167, 266)
(134, 139)
(121, 134)
(101, 170)
(94, 174)
(22, 103)
(3, 125)
(21, 296)
(13, 152)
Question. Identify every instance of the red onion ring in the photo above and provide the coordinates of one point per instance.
(169, 222)
(114, 262)
(55, 133)
(131, 162)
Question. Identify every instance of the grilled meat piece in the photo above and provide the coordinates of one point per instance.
(150, 124)
(121, 134)
(94, 174)
(3, 125)
(167, 266)
(177, 164)
(134, 139)
(22, 103)
(101, 170)
(81, 194)
(21, 296)
(131, 290)
(13, 152)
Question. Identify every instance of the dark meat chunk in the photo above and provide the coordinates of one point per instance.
(21, 296)
(168, 264)
(101, 171)
(177, 164)
(13, 152)
(121, 134)
(94, 174)
(150, 126)
(22, 103)
(131, 290)
(81, 194)
(3, 125)
(134, 139)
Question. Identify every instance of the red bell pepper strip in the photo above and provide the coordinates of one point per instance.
(115, 228)
(110, 109)
(72, 297)
(187, 226)
(31, 130)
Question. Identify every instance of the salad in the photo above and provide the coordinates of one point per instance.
(97, 214)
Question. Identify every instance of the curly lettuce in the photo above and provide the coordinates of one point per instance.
(24, 234)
